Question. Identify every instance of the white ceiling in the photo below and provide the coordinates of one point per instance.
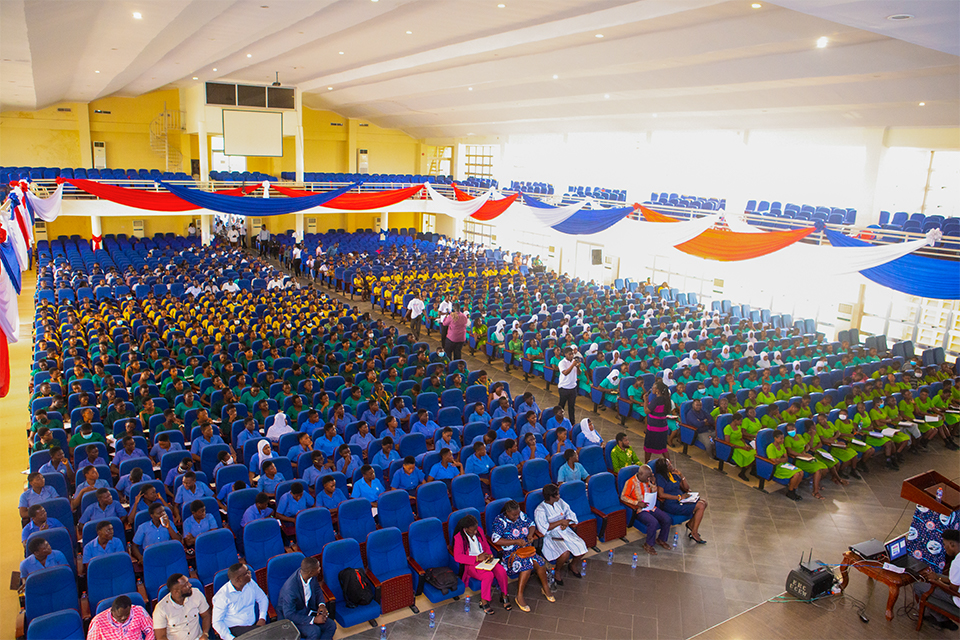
(470, 67)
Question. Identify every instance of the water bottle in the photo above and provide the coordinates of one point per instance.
(466, 605)
(676, 537)
(633, 564)
(383, 633)
(939, 494)
(551, 578)
(583, 569)
(433, 619)
(610, 557)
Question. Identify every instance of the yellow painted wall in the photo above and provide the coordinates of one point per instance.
(47, 137)
(126, 129)
(405, 220)
(68, 226)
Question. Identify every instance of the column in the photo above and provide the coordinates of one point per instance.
(83, 126)
(298, 97)
(204, 151)
(353, 127)
(299, 225)
(867, 212)
(384, 220)
(205, 234)
(96, 231)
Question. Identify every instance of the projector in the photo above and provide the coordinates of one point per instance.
(809, 580)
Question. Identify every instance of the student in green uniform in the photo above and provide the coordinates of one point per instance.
(798, 448)
(777, 454)
(772, 418)
(635, 396)
(766, 396)
(864, 423)
(535, 354)
(845, 455)
(848, 432)
(743, 455)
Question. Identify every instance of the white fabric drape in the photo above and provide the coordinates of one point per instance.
(46, 209)
(651, 237)
(548, 217)
(456, 208)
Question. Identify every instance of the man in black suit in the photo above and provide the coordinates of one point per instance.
(300, 601)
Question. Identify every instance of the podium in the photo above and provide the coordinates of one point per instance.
(922, 489)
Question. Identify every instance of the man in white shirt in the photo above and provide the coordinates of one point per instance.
(194, 290)
(415, 310)
(233, 236)
(297, 256)
(230, 286)
(567, 385)
(264, 237)
(191, 230)
(276, 282)
(182, 614)
(234, 604)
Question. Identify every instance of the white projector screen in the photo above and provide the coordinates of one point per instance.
(252, 133)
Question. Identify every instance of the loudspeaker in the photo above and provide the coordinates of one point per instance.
(596, 256)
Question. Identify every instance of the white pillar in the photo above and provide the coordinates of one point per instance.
(204, 152)
(299, 226)
(298, 104)
(205, 234)
(96, 230)
(876, 150)
(384, 220)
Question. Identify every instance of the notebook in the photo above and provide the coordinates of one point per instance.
(488, 565)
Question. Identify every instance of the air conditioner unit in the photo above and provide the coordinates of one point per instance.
(311, 225)
(138, 228)
(99, 154)
(363, 165)
(39, 230)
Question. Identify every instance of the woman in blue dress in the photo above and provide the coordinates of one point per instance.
(672, 487)
(514, 533)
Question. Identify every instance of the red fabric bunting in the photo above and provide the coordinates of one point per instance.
(4, 365)
(489, 209)
(139, 199)
(356, 201)
(724, 245)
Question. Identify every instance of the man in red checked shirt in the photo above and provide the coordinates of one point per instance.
(122, 621)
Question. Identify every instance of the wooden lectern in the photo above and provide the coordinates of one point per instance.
(922, 489)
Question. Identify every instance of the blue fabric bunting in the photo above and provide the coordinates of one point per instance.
(530, 201)
(592, 221)
(254, 206)
(914, 275)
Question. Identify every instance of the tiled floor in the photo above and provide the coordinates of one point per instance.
(754, 539)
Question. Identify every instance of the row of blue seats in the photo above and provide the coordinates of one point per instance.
(536, 188)
(397, 178)
(810, 212)
(919, 223)
(51, 173)
(600, 193)
(241, 176)
(689, 202)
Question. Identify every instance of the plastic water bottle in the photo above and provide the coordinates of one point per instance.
(676, 538)
(583, 569)
(633, 564)
(383, 633)
(551, 578)
(610, 557)
(466, 605)
(433, 619)
(939, 494)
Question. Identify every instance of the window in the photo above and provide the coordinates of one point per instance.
(478, 161)
(484, 234)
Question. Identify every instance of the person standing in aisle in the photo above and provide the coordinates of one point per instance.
(415, 310)
(567, 386)
(297, 257)
(456, 332)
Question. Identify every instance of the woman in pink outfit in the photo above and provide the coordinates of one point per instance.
(470, 547)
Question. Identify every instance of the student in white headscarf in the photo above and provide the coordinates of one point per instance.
(764, 362)
(725, 353)
(279, 427)
(592, 350)
(777, 359)
(615, 359)
(749, 352)
(611, 382)
(726, 331)
(691, 360)
(589, 436)
(667, 377)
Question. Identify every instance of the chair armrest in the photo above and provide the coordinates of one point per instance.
(416, 567)
(373, 578)
(21, 624)
(719, 441)
(597, 512)
(767, 460)
(421, 576)
(327, 594)
(85, 609)
(15, 581)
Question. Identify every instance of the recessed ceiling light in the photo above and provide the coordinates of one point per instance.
(469, 88)
(654, 115)
(409, 33)
(137, 15)
(900, 16)
(923, 104)
(501, 6)
(599, 35)
(249, 55)
(195, 78)
(329, 88)
(606, 95)
(340, 52)
(756, 5)
(555, 76)
(822, 42)
(96, 72)
(214, 68)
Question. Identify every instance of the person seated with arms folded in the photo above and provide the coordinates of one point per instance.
(240, 605)
(182, 614)
(37, 492)
(155, 530)
(39, 521)
(199, 522)
(128, 452)
(91, 482)
(290, 504)
(408, 477)
(640, 495)
(188, 491)
(105, 543)
(104, 507)
(301, 601)
(480, 464)
(533, 449)
(571, 470)
(511, 454)
(623, 454)
(704, 424)
(331, 496)
(368, 486)
(448, 440)
(93, 458)
(445, 470)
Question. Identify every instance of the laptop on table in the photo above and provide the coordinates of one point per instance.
(897, 554)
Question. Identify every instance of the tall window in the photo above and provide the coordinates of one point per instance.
(478, 161)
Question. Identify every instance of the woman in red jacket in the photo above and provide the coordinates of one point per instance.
(470, 547)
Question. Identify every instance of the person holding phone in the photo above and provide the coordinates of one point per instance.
(157, 529)
(569, 367)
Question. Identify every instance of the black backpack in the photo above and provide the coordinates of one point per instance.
(357, 588)
(442, 578)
